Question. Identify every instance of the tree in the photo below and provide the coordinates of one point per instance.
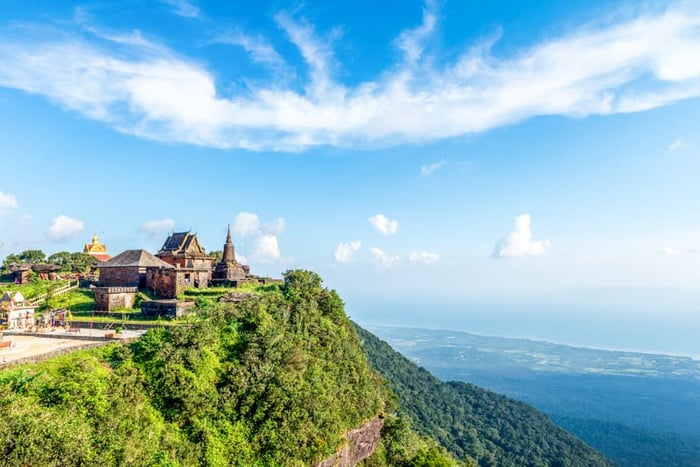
(217, 255)
(82, 262)
(10, 259)
(32, 256)
(63, 259)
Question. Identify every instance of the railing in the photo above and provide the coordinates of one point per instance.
(39, 299)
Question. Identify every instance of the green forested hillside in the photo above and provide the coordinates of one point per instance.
(475, 423)
(271, 381)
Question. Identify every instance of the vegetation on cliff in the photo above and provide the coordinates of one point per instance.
(480, 426)
(275, 380)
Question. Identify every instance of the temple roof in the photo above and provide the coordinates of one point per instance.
(182, 242)
(131, 258)
(95, 246)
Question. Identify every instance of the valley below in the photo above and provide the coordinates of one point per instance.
(636, 408)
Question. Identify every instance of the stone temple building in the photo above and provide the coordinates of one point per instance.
(192, 265)
(229, 271)
(122, 276)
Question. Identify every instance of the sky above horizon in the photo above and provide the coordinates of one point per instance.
(510, 153)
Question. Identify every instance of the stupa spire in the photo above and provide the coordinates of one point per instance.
(229, 253)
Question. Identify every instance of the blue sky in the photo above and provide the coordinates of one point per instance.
(504, 153)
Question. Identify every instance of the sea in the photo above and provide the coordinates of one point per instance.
(667, 332)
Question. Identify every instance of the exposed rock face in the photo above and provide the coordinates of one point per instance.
(361, 443)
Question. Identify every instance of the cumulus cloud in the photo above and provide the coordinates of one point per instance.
(276, 227)
(519, 242)
(247, 224)
(157, 228)
(141, 87)
(423, 257)
(266, 249)
(265, 246)
(344, 252)
(382, 258)
(383, 224)
(677, 144)
(8, 202)
(427, 169)
(64, 228)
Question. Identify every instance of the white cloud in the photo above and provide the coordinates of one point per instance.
(183, 8)
(667, 250)
(260, 50)
(344, 252)
(8, 202)
(143, 88)
(412, 41)
(266, 249)
(383, 224)
(423, 257)
(64, 228)
(519, 242)
(382, 258)
(157, 228)
(276, 227)
(246, 224)
(430, 168)
(677, 144)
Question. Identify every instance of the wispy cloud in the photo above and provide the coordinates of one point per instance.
(143, 88)
(156, 229)
(677, 144)
(183, 8)
(260, 50)
(8, 202)
(412, 41)
(519, 241)
(383, 224)
(427, 169)
(64, 228)
(344, 252)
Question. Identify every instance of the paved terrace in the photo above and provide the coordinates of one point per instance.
(29, 347)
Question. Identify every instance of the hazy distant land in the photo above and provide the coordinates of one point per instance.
(635, 407)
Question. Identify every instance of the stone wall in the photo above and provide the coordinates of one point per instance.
(109, 298)
(162, 281)
(127, 276)
(166, 308)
